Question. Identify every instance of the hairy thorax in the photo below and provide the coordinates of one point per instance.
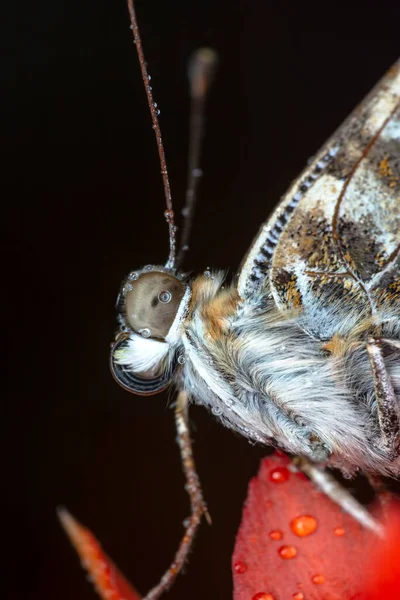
(264, 375)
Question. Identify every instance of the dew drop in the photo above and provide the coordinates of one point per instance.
(318, 579)
(128, 287)
(165, 296)
(207, 273)
(155, 104)
(149, 77)
(158, 112)
(276, 535)
(279, 475)
(240, 567)
(145, 332)
(181, 359)
(303, 525)
(216, 410)
(339, 531)
(263, 596)
(287, 552)
(133, 276)
(298, 596)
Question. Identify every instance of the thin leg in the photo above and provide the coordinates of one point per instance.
(323, 480)
(193, 487)
(388, 406)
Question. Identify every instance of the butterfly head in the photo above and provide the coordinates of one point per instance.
(152, 304)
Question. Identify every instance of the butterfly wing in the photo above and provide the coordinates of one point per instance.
(333, 241)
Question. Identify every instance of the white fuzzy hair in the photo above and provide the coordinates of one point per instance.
(141, 354)
(267, 378)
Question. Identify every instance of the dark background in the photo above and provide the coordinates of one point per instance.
(84, 203)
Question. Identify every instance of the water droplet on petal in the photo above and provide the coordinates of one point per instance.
(298, 596)
(318, 579)
(303, 525)
(276, 534)
(263, 596)
(240, 567)
(339, 531)
(279, 474)
(287, 552)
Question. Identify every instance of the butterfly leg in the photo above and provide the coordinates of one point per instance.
(328, 485)
(193, 487)
(387, 403)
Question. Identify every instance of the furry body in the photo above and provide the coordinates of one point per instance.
(284, 356)
(258, 370)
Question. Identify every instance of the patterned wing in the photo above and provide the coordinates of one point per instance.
(332, 244)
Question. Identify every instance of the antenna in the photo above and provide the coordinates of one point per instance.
(169, 213)
(201, 71)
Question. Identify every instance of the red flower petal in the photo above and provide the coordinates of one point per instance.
(383, 569)
(110, 584)
(296, 543)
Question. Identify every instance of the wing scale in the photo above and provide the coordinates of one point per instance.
(336, 233)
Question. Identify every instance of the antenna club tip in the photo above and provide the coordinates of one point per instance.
(201, 70)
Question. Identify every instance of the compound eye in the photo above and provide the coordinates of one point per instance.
(152, 303)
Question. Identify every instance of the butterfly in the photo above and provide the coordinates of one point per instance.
(302, 349)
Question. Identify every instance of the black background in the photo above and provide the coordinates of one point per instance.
(84, 204)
